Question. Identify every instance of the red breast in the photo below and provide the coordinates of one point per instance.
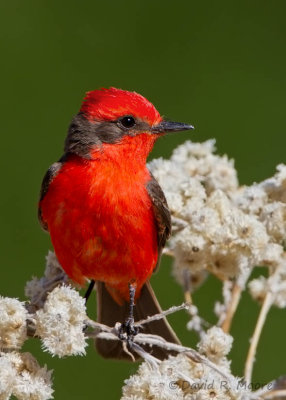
(100, 218)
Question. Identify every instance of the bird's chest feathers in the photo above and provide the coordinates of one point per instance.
(118, 190)
(101, 220)
(102, 196)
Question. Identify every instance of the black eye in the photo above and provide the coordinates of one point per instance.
(128, 121)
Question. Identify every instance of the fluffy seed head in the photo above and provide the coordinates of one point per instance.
(13, 330)
(22, 377)
(61, 321)
(215, 344)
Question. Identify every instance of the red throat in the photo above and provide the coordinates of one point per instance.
(132, 151)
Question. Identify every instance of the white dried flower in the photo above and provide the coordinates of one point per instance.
(267, 200)
(276, 284)
(198, 160)
(37, 289)
(273, 216)
(53, 267)
(7, 377)
(193, 195)
(192, 171)
(168, 172)
(13, 330)
(215, 344)
(158, 383)
(220, 309)
(220, 238)
(22, 376)
(218, 226)
(258, 288)
(180, 378)
(196, 323)
(275, 187)
(33, 288)
(32, 381)
(61, 321)
(271, 255)
(250, 199)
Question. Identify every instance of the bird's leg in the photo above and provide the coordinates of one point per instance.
(89, 290)
(127, 327)
(86, 296)
(132, 290)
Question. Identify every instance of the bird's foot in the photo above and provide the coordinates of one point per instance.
(128, 330)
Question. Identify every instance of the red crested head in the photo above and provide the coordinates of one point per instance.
(110, 104)
(113, 116)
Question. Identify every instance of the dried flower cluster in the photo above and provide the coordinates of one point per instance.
(181, 378)
(37, 289)
(60, 324)
(56, 315)
(20, 373)
(21, 376)
(13, 330)
(219, 227)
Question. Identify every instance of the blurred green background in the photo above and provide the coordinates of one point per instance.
(219, 65)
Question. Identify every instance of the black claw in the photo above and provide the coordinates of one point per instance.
(131, 330)
(127, 330)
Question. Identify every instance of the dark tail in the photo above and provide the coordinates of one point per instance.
(109, 312)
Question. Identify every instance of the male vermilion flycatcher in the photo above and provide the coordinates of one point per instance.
(107, 216)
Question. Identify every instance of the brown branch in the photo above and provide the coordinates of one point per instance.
(267, 303)
(232, 307)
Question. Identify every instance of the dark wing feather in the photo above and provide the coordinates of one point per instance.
(161, 213)
(48, 178)
(109, 312)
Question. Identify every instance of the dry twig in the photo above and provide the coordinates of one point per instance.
(232, 307)
(267, 303)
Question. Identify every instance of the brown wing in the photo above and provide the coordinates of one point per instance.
(48, 178)
(161, 213)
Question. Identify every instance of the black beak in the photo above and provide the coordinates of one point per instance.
(169, 126)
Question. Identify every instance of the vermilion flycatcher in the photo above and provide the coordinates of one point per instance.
(107, 216)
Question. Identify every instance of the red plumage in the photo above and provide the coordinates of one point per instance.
(98, 211)
(100, 217)
(107, 216)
